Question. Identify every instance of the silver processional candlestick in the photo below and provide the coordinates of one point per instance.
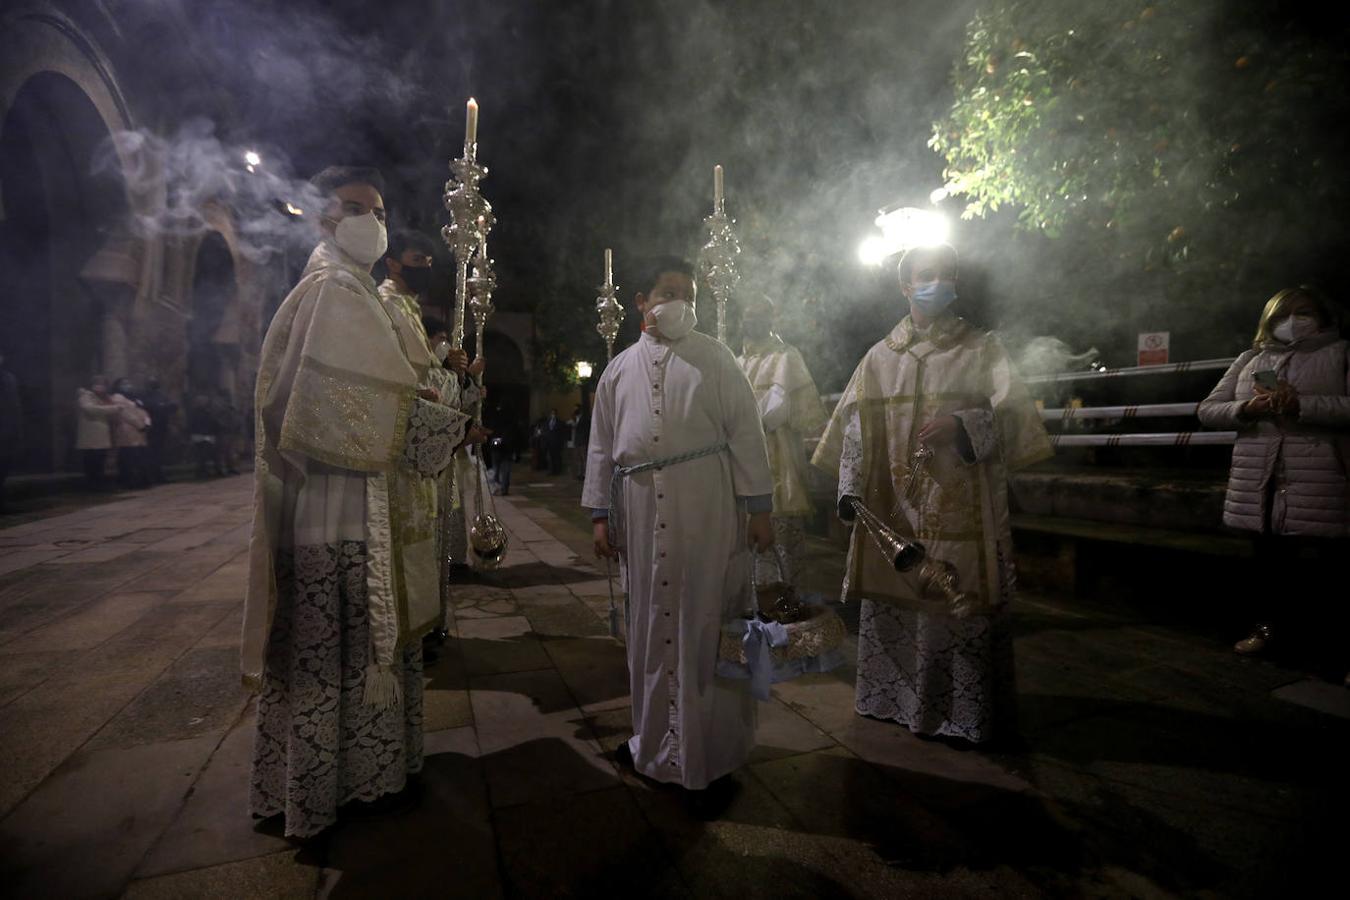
(719, 255)
(608, 308)
(480, 287)
(471, 218)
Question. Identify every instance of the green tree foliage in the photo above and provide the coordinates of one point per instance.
(1195, 136)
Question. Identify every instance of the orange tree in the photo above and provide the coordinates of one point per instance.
(1200, 140)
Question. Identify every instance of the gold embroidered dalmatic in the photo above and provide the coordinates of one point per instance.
(773, 363)
(416, 501)
(960, 509)
(335, 388)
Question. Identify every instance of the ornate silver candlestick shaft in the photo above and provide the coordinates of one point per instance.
(719, 255)
(471, 219)
(480, 287)
(608, 308)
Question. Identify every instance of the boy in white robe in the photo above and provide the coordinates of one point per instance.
(677, 399)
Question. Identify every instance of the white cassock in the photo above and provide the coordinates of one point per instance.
(685, 563)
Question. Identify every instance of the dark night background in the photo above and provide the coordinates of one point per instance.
(601, 122)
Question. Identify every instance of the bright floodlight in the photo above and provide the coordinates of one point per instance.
(901, 230)
(873, 250)
(584, 370)
(252, 158)
(909, 227)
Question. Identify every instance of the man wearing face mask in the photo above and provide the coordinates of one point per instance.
(678, 482)
(790, 410)
(336, 608)
(407, 264)
(938, 661)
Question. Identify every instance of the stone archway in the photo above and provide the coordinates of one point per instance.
(507, 381)
(71, 266)
(213, 326)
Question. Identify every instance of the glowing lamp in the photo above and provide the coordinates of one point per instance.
(584, 370)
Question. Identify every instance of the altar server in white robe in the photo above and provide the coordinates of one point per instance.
(677, 399)
(340, 590)
(939, 665)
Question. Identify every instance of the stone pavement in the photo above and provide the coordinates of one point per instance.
(1155, 763)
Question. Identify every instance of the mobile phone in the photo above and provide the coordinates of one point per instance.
(1267, 379)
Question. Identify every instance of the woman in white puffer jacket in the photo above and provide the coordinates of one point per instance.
(1289, 399)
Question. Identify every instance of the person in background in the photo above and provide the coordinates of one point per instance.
(503, 446)
(203, 432)
(555, 436)
(581, 436)
(228, 427)
(95, 414)
(1289, 399)
(538, 445)
(161, 410)
(790, 410)
(11, 424)
(129, 436)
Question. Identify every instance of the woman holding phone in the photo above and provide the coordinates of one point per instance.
(1289, 399)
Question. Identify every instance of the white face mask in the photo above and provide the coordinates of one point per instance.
(1295, 328)
(673, 319)
(362, 237)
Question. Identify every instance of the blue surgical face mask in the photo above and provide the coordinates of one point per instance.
(932, 298)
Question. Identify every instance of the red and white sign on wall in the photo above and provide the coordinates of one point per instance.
(1153, 347)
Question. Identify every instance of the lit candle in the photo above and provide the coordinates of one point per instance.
(609, 266)
(471, 122)
(717, 187)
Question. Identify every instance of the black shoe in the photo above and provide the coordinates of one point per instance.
(624, 757)
(714, 800)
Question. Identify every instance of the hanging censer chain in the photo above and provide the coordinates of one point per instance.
(910, 489)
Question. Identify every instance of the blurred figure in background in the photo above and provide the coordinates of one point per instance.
(228, 427)
(790, 410)
(203, 433)
(504, 444)
(129, 436)
(581, 437)
(555, 435)
(161, 410)
(1289, 398)
(95, 414)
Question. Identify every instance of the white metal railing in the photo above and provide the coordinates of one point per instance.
(1163, 439)
(1139, 411)
(1202, 365)
(1144, 411)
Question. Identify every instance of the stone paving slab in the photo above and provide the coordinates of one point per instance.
(199, 835)
(84, 831)
(1155, 764)
(280, 876)
(535, 743)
